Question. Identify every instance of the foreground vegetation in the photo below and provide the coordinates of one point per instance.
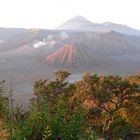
(88, 109)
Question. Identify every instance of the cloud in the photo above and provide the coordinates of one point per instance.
(48, 43)
(39, 44)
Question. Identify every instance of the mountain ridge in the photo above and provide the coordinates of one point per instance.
(78, 23)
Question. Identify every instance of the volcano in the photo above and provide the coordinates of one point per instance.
(80, 23)
(77, 57)
(78, 45)
(77, 23)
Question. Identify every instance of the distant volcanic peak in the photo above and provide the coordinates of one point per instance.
(79, 23)
(79, 19)
(65, 53)
(76, 23)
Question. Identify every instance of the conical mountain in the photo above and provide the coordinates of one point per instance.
(80, 23)
(77, 57)
(76, 23)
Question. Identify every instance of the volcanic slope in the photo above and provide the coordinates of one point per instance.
(110, 43)
(74, 56)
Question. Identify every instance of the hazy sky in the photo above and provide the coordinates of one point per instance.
(51, 13)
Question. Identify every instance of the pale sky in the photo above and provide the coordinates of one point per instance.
(51, 13)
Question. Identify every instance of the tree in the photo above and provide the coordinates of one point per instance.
(53, 100)
(108, 94)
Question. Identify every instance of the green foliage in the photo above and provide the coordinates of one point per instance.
(89, 134)
(84, 110)
(47, 133)
(62, 75)
(119, 128)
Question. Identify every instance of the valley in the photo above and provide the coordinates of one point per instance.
(78, 45)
